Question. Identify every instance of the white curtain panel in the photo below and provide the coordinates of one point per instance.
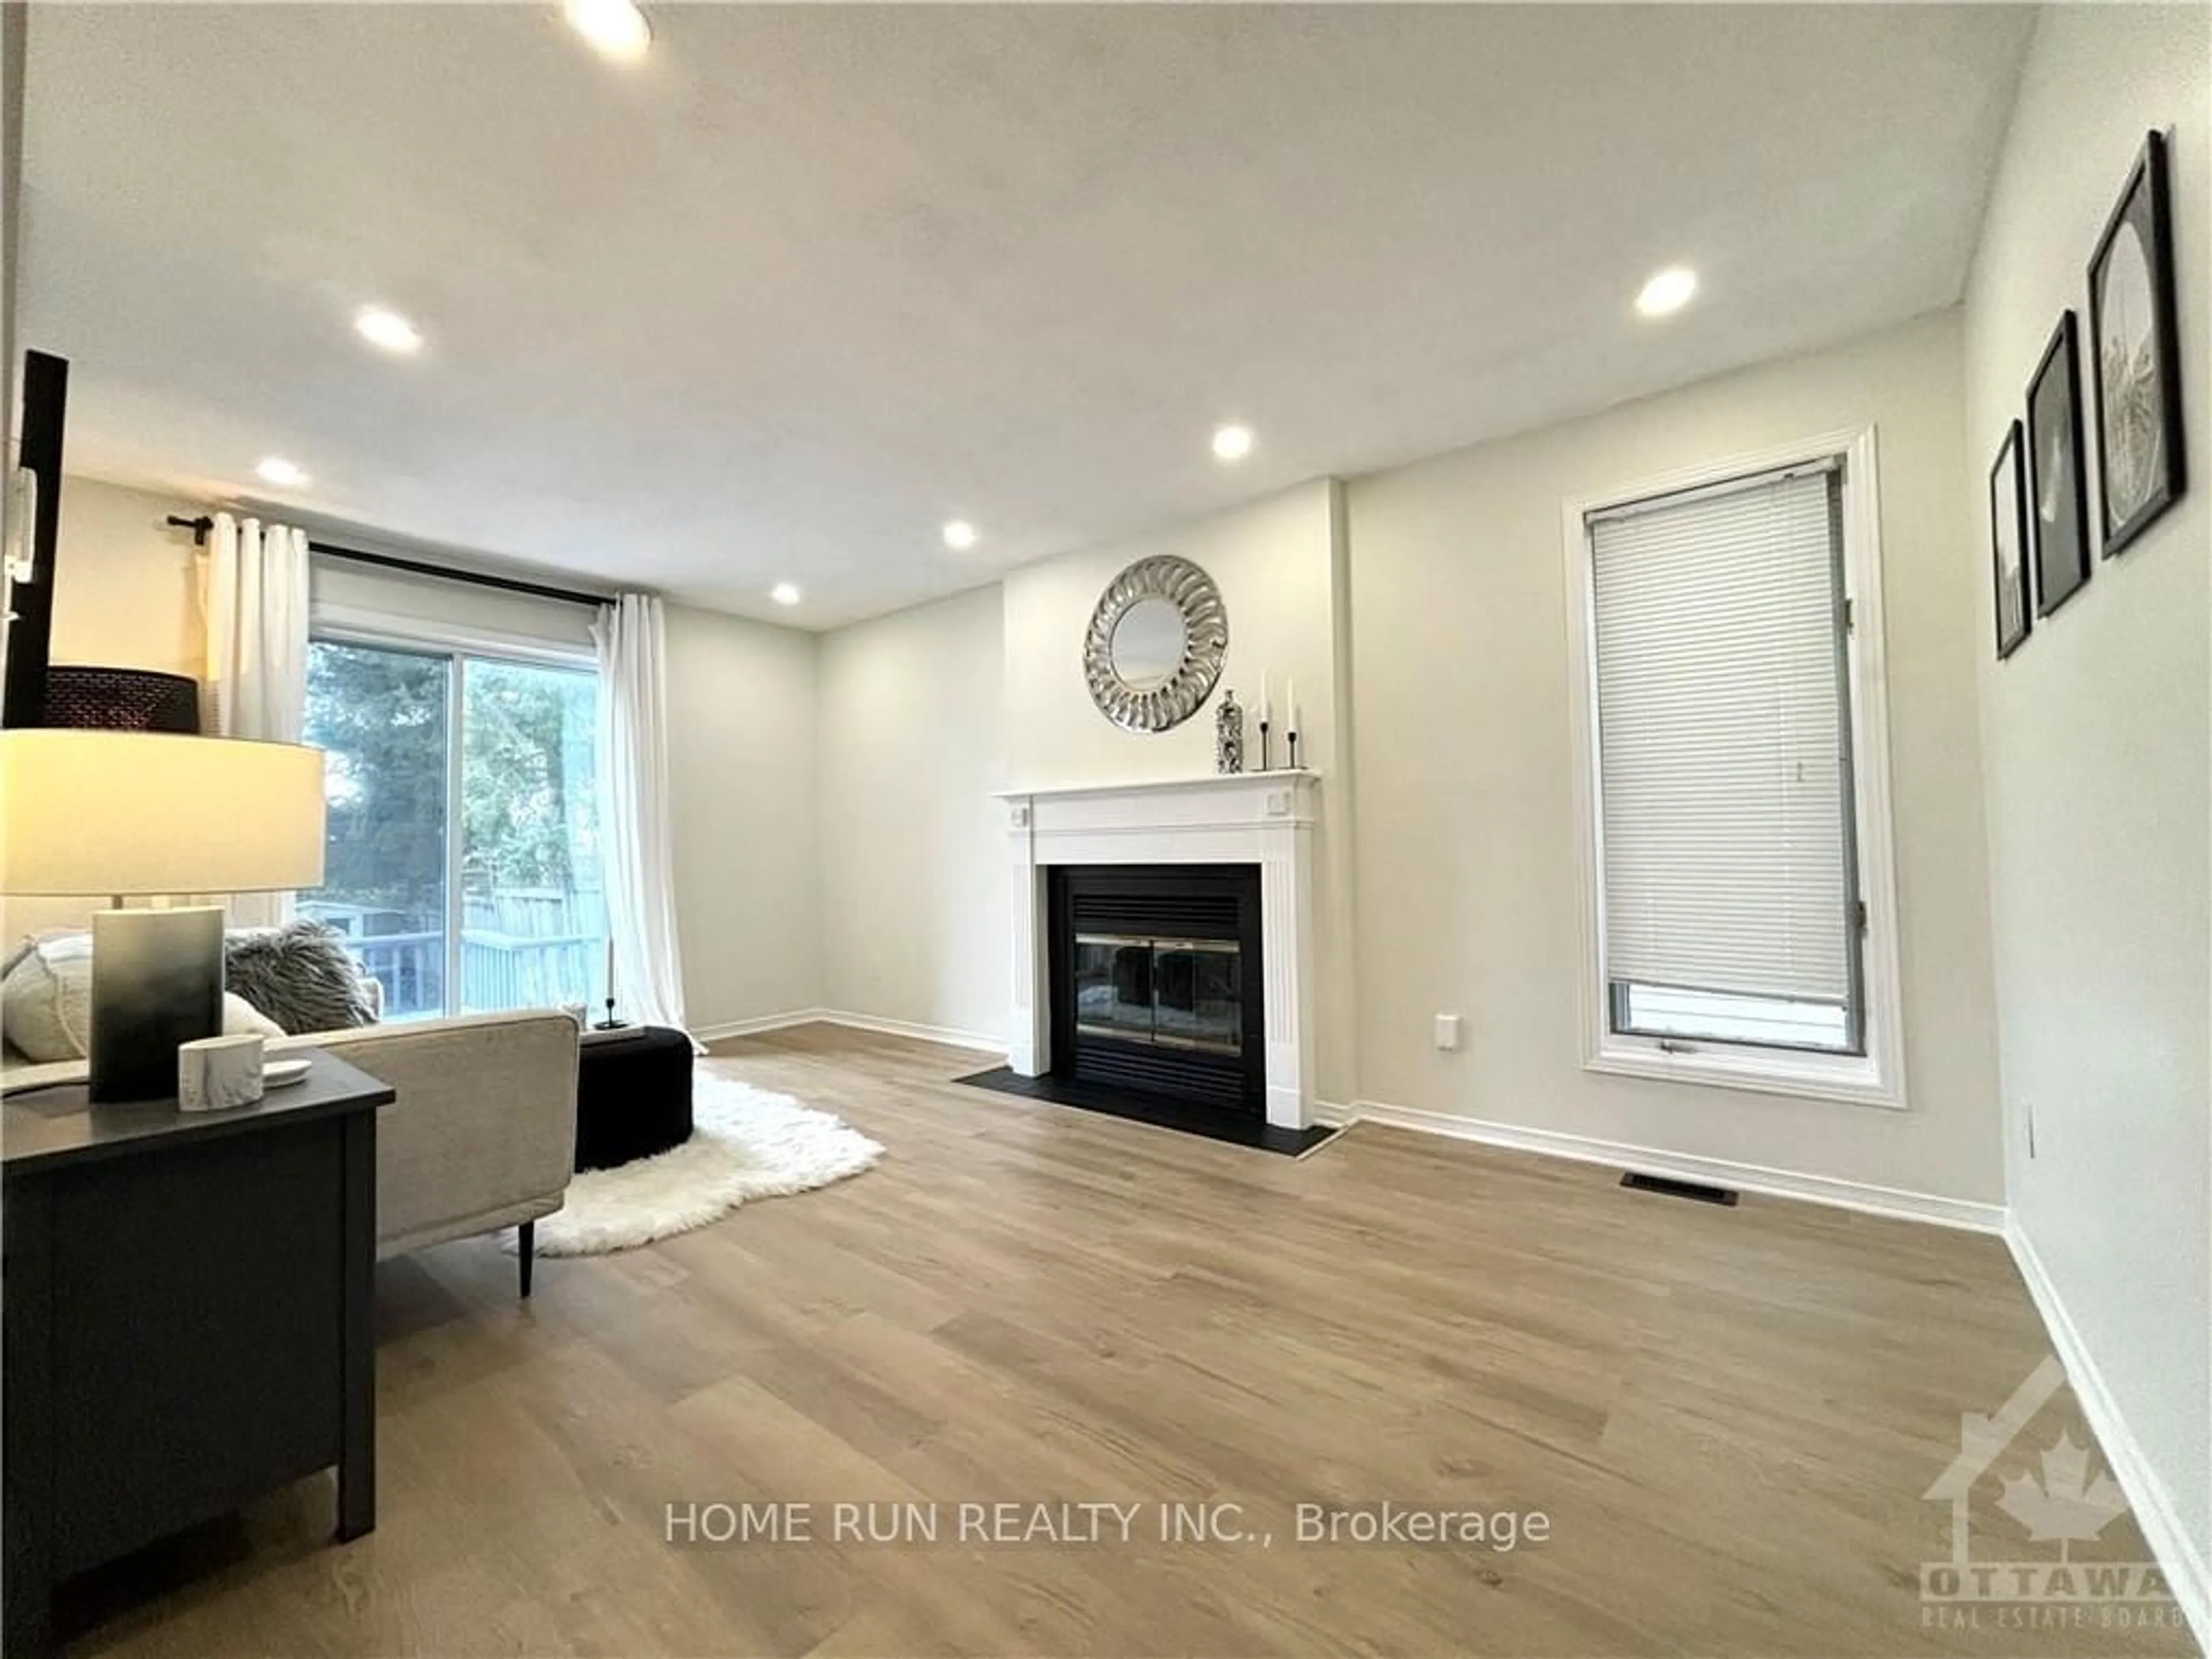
(633, 828)
(255, 599)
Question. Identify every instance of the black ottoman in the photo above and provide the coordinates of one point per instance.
(633, 1095)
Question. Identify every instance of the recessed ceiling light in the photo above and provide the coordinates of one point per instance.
(387, 331)
(784, 593)
(1668, 291)
(960, 534)
(1232, 443)
(616, 29)
(275, 468)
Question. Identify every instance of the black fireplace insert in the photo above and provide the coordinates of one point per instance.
(1156, 983)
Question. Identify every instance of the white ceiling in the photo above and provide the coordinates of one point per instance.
(809, 281)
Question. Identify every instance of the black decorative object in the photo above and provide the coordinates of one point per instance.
(610, 1023)
(2057, 497)
(1294, 752)
(2134, 356)
(121, 700)
(1229, 735)
(2008, 542)
(157, 985)
(633, 1098)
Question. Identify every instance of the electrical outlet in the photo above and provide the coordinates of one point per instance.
(1448, 1031)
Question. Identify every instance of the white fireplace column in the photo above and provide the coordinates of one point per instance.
(1265, 819)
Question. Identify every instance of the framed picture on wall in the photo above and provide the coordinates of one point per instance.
(2056, 494)
(2009, 542)
(2134, 356)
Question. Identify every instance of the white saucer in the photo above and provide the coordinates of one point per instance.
(278, 1073)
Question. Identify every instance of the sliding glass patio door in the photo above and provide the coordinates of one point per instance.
(463, 859)
(533, 921)
(383, 717)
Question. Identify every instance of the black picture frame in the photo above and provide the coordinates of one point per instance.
(2058, 495)
(2134, 356)
(2008, 565)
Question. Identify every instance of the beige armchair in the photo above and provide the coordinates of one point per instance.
(483, 1133)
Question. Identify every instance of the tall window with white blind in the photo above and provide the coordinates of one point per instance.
(1720, 634)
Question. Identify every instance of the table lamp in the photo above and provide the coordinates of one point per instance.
(85, 813)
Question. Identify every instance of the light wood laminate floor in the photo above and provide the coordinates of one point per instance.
(1729, 1416)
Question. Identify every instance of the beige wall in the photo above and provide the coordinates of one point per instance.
(1469, 888)
(1278, 565)
(745, 810)
(915, 924)
(126, 587)
(1271, 561)
(2096, 734)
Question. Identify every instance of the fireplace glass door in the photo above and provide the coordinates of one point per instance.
(1178, 994)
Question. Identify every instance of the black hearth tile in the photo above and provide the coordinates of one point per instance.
(1237, 1129)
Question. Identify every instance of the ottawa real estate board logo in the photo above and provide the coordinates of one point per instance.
(2058, 1495)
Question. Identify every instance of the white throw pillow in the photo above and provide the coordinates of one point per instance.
(46, 1003)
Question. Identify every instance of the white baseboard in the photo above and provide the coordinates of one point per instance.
(736, 1028)
(1683, 1166)
(2178, 1555)
(901, 1027)
(953, 1037)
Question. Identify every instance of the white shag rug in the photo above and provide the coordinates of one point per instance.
(746, 1143)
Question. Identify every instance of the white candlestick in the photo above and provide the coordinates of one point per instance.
(611, 970)
(1267, 709)
(1290, 705)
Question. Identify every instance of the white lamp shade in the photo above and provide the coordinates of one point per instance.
(86, 812)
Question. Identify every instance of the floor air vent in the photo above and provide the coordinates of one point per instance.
(1697, 1189)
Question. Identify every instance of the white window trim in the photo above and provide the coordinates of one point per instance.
(1876, 1077)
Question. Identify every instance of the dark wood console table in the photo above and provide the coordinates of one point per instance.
(187, 1302)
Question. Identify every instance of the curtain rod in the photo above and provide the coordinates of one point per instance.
(199, 527)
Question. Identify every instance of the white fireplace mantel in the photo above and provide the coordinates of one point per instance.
(1263, 818)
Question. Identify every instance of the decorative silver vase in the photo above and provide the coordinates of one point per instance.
(1229, 735)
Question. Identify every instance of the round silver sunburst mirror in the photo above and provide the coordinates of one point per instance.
(1156, 643)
